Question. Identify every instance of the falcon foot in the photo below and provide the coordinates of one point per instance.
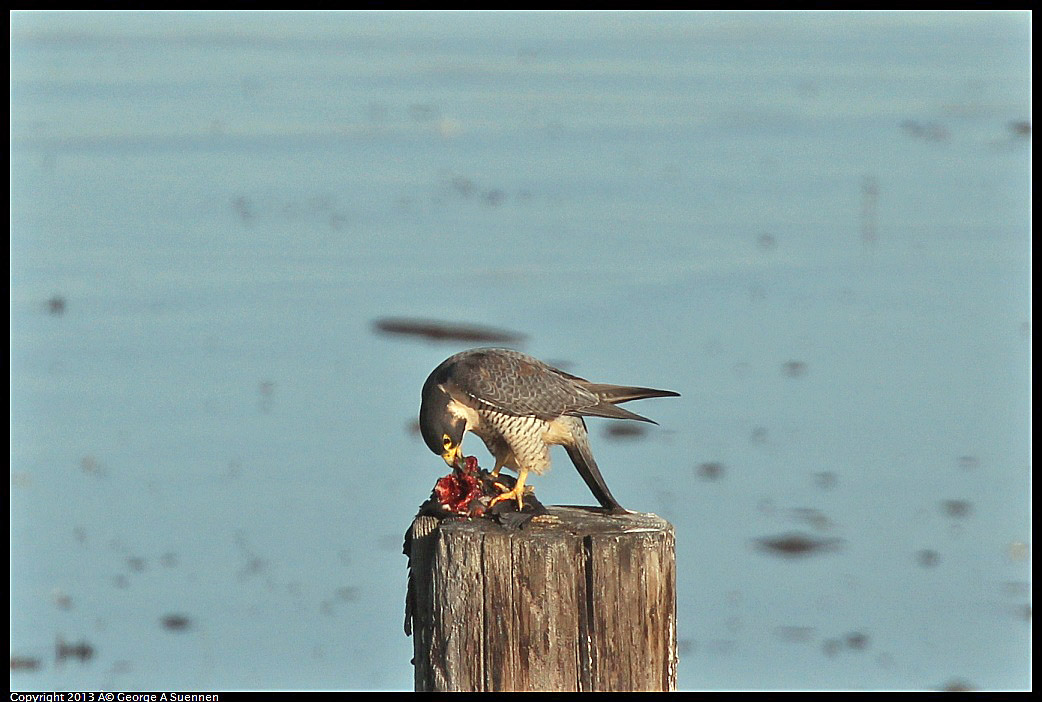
(516, 493)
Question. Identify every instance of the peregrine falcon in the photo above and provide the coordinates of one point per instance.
(520, 406)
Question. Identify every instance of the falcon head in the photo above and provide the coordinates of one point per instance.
(442, 430)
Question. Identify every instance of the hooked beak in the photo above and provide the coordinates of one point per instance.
(453, 456)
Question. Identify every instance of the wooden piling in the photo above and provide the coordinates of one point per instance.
(577, 601)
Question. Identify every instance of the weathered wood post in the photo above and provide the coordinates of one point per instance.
(577, 601)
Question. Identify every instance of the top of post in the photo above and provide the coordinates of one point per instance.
(577, 520)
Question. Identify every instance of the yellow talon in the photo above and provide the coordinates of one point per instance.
(509, 494)
(517, 493)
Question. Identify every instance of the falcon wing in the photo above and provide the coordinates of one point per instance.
(511, 382)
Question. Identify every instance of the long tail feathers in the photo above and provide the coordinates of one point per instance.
(611, 395)
(606, 409)
(623, 393)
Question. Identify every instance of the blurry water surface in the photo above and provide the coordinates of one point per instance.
(814, 226)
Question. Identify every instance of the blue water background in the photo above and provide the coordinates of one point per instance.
(815, 227)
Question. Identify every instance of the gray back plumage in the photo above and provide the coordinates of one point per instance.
(516, 383)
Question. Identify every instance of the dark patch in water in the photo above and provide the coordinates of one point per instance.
(25, 664)
(797, 545)
(957, 508)
(624, 430)
(434, 330)
(710, 471)
(928, 558)
(175, 622)
(79, 650)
